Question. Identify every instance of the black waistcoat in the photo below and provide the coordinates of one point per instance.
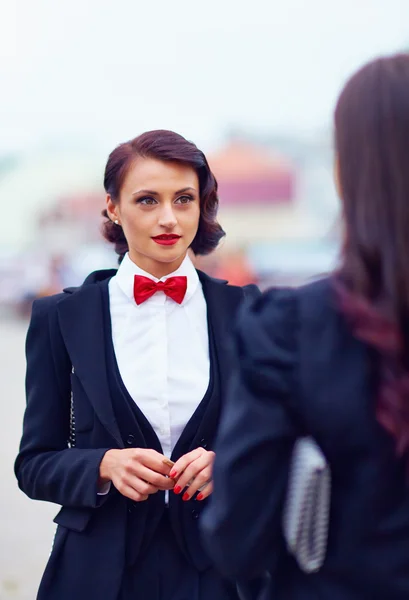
(136, 431)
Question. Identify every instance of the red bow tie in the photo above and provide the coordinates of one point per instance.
(144, 288)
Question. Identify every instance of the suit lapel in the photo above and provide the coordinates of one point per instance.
(82, 325)
(222, 302)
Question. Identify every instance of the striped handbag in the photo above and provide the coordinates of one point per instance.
(307, 506)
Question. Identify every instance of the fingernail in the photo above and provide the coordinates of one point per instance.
(185, 497)
(177, 489)
(172, 474)
(199, 497)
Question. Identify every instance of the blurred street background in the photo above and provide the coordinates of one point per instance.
(252, 84)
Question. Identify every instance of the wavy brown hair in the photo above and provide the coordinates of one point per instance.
(372, 145)
(169, 147)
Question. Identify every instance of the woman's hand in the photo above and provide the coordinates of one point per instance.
(194, 472)
(136, 472)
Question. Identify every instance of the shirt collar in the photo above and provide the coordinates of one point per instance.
(128, 269)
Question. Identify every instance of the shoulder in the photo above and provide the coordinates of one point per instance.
(289, 303)
(46, 306)
(249, 292)
(319, 312)
(269, 318)
(318, 294)
(43, 322)
(275, 317)
(93, 278)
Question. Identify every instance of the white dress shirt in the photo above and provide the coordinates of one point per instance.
(162, 349)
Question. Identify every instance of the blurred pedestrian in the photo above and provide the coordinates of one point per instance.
(330, 361)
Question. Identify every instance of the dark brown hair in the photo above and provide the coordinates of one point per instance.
(170, 147)
(372, 144)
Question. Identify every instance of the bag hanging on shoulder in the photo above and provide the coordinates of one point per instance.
(307, 506)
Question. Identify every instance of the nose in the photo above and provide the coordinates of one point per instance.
(167, 217)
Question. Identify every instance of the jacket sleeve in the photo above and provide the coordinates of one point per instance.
(46, 468)
(242, 525)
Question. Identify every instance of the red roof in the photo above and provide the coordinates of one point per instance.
(247, 173)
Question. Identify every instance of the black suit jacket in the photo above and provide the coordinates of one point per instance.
(65, 351)
(300, 371)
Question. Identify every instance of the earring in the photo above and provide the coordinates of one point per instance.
(116, 222)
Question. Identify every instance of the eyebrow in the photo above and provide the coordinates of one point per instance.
(186, 189)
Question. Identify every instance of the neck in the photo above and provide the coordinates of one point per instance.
(155, 268)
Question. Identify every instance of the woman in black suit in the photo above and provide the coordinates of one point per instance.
(125, 380)
(330, 360)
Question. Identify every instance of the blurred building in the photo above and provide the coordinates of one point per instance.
(261, 195)
(34, 181)
(267, 211)
(71, 221)
(276, 205)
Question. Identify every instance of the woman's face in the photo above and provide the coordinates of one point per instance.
(159, 210)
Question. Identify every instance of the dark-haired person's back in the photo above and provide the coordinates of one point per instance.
(330, 360)
(316, 378)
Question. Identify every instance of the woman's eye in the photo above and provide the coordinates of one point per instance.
(147, 201)
(184, 199)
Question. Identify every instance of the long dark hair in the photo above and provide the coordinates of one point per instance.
(372, 145)
(170, 147)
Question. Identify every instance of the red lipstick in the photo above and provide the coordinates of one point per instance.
(166, 239)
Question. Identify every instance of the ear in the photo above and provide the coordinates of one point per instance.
(112, 209)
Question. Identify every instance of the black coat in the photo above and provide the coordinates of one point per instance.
(300, 371)
(66, 351)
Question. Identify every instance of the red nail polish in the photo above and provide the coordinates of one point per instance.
(199, 496)
(185, 497)
(172, 474)
(177, 489)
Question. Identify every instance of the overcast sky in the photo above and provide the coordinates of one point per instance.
(104, 70)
